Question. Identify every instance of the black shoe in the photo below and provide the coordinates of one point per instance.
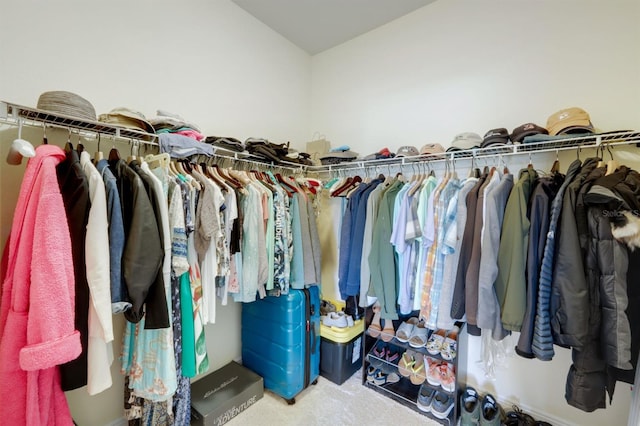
(352, 308)
(518, 418)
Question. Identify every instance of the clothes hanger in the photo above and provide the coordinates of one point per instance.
(79, 145)
(45, 140)
(68, 147)
(600, 155)
(158, 160)
(612, 164)
(556, 165)
(132, 156)
(20, 148)
(114, 154)
(98, 154)
(506, 169)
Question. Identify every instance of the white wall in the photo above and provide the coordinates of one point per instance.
(208, 61)
(456, 66)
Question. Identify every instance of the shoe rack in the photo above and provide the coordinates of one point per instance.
(380, 371)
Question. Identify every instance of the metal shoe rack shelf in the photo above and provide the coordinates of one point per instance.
(404, 391)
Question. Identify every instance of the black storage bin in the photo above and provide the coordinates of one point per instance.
(339, 360)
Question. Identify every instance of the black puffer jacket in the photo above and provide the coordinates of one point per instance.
(613, 229)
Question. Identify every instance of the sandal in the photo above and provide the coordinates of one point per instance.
(450, 344)
(388, 332)
(434, 344)
(392, 356)
(378, 354)
(406, 328)
(406, 363)
(418, 374)
(375, 328)
(419, 335)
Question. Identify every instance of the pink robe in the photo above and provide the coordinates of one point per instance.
(37, 309)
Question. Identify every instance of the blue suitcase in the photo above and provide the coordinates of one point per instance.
(281, 340)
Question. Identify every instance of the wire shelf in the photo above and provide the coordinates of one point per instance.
(573, 142)
(14, 114)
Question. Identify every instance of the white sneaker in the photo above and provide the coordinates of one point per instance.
(337, 319)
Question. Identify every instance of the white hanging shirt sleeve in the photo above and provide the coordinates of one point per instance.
(99, 350)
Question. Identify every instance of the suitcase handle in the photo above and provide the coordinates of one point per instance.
(312, 331)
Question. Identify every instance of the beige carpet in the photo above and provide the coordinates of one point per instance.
(327, 404)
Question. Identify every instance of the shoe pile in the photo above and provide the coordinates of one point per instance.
(331, 317)
(337, 319)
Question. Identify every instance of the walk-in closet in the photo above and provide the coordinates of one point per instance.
(444, 204)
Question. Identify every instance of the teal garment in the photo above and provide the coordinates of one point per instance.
(188, 332)
(297, 259)
(382, 258)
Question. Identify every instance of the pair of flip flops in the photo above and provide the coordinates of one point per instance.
(411, 365)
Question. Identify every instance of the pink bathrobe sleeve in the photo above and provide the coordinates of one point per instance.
(37, 309)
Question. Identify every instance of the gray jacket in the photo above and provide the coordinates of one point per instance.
(488, 306)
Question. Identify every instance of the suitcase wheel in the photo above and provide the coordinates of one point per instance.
(290, 401)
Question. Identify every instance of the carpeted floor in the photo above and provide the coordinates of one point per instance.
(327, 404)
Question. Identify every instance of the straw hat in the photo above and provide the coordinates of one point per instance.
(67, 103)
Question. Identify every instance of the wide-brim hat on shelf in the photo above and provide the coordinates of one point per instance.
(68, 104)
(569, 120)
(128, 118)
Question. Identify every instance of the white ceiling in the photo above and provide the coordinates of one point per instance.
(317, 25)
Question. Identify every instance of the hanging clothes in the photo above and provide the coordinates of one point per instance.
(511, 281)
(451, 245)
(458, 307)
(37, 331)
(488, 316)
(74, 187)
(382, 259)
(119, 297)
(542, 340)
(100, 320)
(538, 214)
(142, 256)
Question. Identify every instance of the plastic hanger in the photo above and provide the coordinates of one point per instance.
(158, 160)
(20, 148)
